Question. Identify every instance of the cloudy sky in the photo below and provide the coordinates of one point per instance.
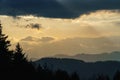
(50, 27)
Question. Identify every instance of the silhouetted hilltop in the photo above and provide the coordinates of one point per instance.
(113, 56)
(84, 69)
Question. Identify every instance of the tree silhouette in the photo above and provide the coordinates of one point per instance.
(74, 76)
(5, 53)
(19, 56)
(4, 43)
(102, 77)
(22, 65)
(117, 75)
(61, 75)
(39, 71)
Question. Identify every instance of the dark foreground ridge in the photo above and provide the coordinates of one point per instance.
(85, 70)
(14, 65)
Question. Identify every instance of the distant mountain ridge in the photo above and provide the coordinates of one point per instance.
(113, 56)
(85, 70)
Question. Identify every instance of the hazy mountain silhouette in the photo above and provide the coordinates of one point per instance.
(84, 69)
(113, 56)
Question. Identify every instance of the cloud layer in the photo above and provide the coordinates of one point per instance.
(34, 26)
(55, 8)
(34, 39)
(72, 46)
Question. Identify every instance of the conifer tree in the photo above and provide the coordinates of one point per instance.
(4, 43)
(19, 56)
(102, 77)
(74, 76)
(117, 75)
(5, 53)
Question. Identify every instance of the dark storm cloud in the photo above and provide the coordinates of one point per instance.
(54, 9)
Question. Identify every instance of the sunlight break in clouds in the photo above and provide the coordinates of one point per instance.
(90, 33)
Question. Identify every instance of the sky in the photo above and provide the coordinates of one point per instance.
(49, 27)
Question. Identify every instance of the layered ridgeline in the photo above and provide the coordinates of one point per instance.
(113, 56)
(85, 70)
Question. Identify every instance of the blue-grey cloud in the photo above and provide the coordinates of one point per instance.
(46, 39)
(55, 8)
(34, 26)
(34, 39)
(30, 38)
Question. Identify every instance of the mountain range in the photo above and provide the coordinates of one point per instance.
(85, 70)
(113, 56)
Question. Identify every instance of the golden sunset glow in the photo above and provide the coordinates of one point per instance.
(65, 36)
